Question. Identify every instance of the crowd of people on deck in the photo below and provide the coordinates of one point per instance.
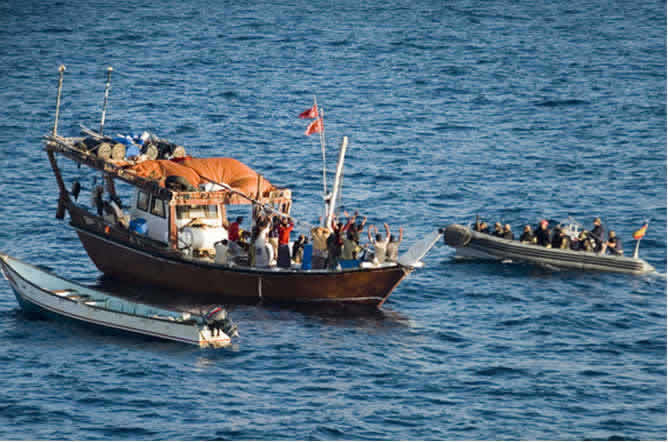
(558, 238)
(336, 247)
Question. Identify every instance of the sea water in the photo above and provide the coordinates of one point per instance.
(511, 110)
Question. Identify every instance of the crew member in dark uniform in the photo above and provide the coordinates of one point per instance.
(498, 230)
(598, 234)
(527, 236)
(483, 228)
(507, 233)
(543, 234)
(614, 244)
(556, 238)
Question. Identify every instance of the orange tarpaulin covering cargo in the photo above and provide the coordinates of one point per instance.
(229, 171)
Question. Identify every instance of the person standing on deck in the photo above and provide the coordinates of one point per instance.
(319, 236)
(335, 245)
(264, 252)
(392, 254)
(298, 249)
(379, 243)
(233, 231)
(273, 233)
(284, 229)
(350, 246)
(358, 228)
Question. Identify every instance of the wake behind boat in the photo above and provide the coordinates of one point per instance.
(471, 244)
(43, 293)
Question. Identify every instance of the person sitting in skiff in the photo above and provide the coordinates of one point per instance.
(527, 236)
(507, 232)
(543, 234)
(614, 244)
(498, 230)
(480, 226)
(583, 243)
(564, 239)
(559, 239)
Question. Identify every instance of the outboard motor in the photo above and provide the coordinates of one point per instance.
(217, 318)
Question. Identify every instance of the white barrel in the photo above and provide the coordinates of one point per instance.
(204, 237)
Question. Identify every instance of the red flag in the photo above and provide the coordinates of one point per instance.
(640, 232)
(310, 113)
(315, 127)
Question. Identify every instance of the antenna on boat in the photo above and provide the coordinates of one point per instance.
(107, 86)
(337, 180)
(61, 69)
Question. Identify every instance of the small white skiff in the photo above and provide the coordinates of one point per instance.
(41, 292)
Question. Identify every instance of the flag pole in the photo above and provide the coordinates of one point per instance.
(324, 157)
(635, 252)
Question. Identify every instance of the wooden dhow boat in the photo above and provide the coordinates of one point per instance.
(167, 236)
(472, 244)
(40, 292)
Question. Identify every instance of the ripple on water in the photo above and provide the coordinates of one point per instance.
(446, 121)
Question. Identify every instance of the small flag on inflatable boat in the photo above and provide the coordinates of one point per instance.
(640, 232)
(310, 113)
(315, 127)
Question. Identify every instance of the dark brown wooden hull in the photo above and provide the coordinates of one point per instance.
(126, 256)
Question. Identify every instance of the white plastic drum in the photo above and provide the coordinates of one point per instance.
(204, 237)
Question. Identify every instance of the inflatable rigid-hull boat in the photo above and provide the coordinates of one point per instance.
(472, 244)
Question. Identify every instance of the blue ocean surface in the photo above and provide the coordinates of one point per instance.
(513, 110)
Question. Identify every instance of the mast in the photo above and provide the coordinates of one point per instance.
(63, 197)
(107, 86)
(61, 69)
(337, 183)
